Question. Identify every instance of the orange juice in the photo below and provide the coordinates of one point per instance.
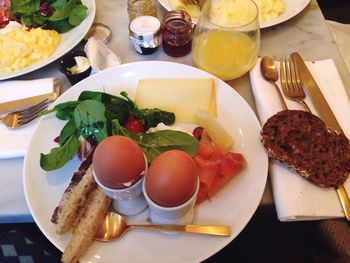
(225, 54)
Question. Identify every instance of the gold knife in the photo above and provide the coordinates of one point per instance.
(26, 102)
(326, 115)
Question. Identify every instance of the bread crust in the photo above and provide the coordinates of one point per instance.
(81, 210)
(74, 198)
(83, 235)
(303, 142)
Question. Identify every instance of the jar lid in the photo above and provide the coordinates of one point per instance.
(144, 26)
(100, 32)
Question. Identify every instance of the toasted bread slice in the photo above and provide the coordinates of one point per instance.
(84, 232)
(303, 142)
(73, 202)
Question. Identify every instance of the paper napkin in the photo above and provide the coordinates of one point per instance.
(14, 142)
(294, 197)
(100, 56)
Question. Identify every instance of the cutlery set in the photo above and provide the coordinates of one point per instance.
(22, 111)
(295, 76)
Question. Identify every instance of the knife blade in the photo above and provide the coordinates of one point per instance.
(316, 95)
(26, 102)
(326, 114)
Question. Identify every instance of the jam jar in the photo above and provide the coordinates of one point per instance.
(177, 33)
(145, 34)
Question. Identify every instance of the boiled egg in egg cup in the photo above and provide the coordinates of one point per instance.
(119, 166)
(170, 188)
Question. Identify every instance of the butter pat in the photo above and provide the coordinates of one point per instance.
(181, 96)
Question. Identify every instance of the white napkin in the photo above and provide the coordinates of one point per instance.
(294, 197)
(100, 56)
(14, 142)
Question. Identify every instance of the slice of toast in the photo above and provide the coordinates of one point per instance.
(303, 142)
(74, 198)
(84, 232)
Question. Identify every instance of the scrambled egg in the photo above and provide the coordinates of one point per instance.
(269, 9)
(237, 12)
(19, 48)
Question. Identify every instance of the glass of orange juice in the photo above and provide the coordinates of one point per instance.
(226, 39)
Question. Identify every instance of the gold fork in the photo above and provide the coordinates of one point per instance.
(292, 89)
(22, 117)
(290, 82)
(190, 2)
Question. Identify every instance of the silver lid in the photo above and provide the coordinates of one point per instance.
(144, 27)
(100, 32)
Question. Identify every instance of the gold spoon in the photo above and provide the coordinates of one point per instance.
(114, 225)
(270, 73)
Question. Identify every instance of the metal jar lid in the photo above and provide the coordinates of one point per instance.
(100, 32)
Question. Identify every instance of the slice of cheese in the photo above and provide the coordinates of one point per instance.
(181, 96)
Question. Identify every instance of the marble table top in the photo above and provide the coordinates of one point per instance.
(306, 33)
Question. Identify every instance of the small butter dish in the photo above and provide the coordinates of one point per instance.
(75, 66)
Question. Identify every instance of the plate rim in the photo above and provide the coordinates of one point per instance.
(273, 22)
(252, 209)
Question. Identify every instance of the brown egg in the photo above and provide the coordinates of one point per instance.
(171, 179)
(118, 162)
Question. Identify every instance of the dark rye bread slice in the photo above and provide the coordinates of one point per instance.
(302, 141)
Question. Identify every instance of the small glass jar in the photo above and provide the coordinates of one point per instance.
(141, 8)
(145, 34)
(177, 33)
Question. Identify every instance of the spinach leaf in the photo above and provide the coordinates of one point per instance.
(63, 12)
(33, 19)
(89, 117)
(61, 26)
(77, 15)
(58, 4)
(63, 110)
(151, 117)
(68, 130)
(26, 7)
(155, 143)
(58, 156)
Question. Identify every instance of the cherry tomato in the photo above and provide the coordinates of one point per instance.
(134, 124)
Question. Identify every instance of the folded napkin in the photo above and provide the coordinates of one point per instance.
(100, 56)
(14, 142)
(295, 198)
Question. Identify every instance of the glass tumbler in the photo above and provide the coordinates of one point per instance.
(226, 39)
(141, 8)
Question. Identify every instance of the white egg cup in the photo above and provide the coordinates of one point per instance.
(180, 215)
(127, 201)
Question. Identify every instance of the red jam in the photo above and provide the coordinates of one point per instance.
(177, 33)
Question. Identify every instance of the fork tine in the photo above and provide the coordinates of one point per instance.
(299, 88)
(30, 110)
(22, 120)
(284, 83)
(294, 83)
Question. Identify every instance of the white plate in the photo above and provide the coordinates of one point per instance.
(293, 7)
(234, 205)
(68, 41)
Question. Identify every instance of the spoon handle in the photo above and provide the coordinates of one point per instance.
(199, 229)
(284, 105)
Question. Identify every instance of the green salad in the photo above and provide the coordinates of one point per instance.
(97, 115)
(59, 15)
